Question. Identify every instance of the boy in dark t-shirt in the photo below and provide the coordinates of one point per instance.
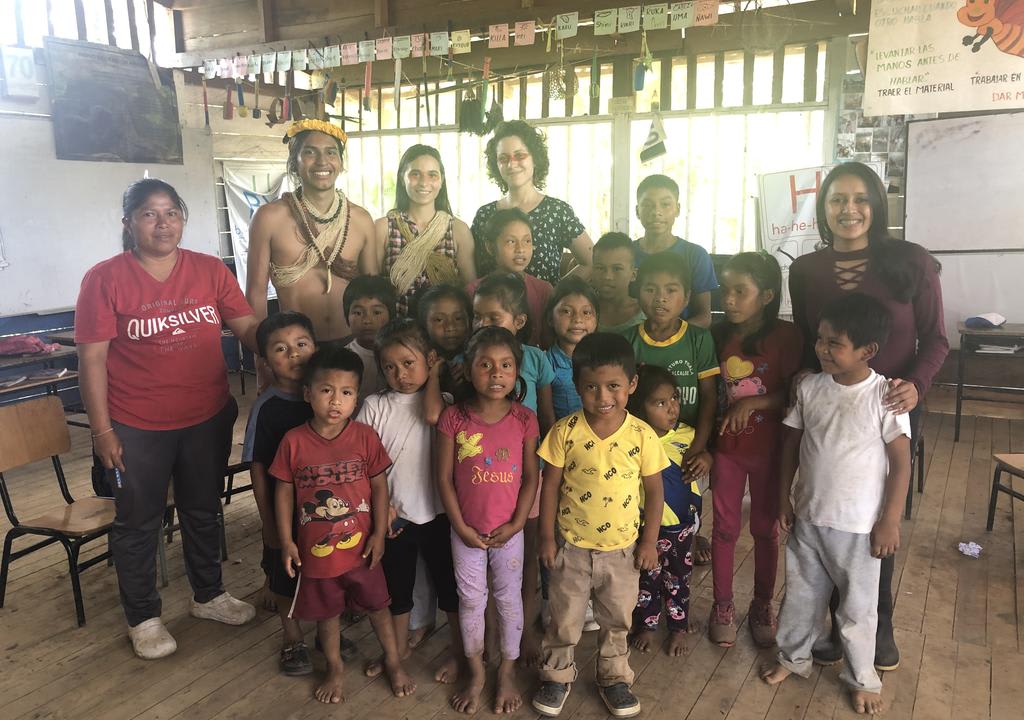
(332, 505)
(285, 342)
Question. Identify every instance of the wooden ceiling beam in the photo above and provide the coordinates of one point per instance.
(265, 10)
(381, 13)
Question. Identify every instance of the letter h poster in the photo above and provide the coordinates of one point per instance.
(931, 56)
(789, 225)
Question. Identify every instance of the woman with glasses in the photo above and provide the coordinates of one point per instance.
(517, 162)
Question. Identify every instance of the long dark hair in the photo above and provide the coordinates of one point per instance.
(892, 259)
(402, 196)
(648, 379)
(510, 290)
(764, 270)
(492, 336)
(136, 196)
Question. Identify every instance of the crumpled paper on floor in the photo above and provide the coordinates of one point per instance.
(970, 549)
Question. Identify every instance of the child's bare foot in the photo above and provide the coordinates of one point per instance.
(507, 698)
(419, 635)
(401, 683)
(677, 639)
(530, 653)
(376, 666)
(467, 700)
(867, 703)
(330, 690)
(449, 671)
(642, 639)
(774, 674)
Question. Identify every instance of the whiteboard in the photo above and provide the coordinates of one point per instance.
(61, 217)
(964, 183)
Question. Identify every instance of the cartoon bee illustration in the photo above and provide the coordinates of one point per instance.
(1001, 21)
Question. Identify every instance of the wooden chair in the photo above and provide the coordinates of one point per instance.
(29, 432)
(1005, 463)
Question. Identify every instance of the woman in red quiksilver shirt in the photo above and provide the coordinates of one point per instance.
(148, 328)
(859, 255)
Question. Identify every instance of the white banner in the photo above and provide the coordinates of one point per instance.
(931, 56)
(240, 179)
(789, 225)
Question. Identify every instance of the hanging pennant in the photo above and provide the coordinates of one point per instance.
(705, 13)
(439, 43)
(567, 25)
(654, 145)
(682, 15)
(595, 77)
(383, 48)
(332, 56)
(656, 16)
(629, 19)
(483, 92)
(269, 62)
(525, 31)
(462, 42)
(367, 86)
(299, 59)
(284, 61)
(349, 54)
(605, 21)
(366, 50)
(550, 33)
(206, 104)
(256, 112)
(228, 112)
(243, 111)
(398, 83)
(497, 36)
(401, 47)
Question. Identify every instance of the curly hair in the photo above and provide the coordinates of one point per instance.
(534, 141)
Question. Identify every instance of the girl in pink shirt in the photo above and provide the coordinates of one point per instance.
(487, 477)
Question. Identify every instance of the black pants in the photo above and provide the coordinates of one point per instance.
(434, 541)
(196, 458)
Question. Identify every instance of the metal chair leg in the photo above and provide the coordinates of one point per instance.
(920, 465)
(161, 555)
(992, 498)
(76, 586)
(223, 538)
(5, 566)
(909, 505)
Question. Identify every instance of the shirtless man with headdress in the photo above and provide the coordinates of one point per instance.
(313, 241)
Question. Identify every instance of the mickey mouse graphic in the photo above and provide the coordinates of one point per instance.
(343, 531)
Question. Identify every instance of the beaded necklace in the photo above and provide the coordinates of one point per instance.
(332, 212)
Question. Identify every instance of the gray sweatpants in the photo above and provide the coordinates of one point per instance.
(818, 558)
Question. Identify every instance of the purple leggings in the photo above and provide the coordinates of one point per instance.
(506, 565)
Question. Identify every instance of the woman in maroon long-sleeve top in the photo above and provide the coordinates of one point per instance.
(860, 256)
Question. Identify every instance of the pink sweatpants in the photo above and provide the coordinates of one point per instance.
(730, 475)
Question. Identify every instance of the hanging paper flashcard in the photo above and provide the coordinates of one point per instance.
(656, 16)
(349, 54)
(567, 25)
(497, 36)
(462, 42)
(241, 66)
(419, 45)
(401, 47)
(439, 43)
(315, 58)
(525, 31)
(284, 61)
(255, 63)
(705, 12)
(629, 19)
(366, 50)
(269, 62)
(682, 15)
(209, 69)
(384, 48)
(299, 59)
(606, 21)
(332, 56)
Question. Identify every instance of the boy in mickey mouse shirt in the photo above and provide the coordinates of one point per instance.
(332, 481)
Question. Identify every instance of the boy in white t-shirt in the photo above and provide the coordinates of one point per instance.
(369, 304)
(843, 512)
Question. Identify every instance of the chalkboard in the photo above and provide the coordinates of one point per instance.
(963, 189)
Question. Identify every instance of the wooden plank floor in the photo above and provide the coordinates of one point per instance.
(959, 623)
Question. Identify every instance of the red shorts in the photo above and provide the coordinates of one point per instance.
(325, 598)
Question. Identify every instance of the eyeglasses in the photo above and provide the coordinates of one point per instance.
(519, 156)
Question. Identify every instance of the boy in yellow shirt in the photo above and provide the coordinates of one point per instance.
(599, 461)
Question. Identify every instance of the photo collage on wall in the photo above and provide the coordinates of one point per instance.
(882, 138)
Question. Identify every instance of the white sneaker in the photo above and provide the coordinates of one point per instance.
(589, 623)
(224, 609)
(150, 639)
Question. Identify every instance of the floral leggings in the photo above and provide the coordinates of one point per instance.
(670, 582)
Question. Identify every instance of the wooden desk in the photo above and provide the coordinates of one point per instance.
(970, 341)
(45, 360)
(63, 337)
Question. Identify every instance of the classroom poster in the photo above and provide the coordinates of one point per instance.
(242, 202)
(789, 226)
(944, 56)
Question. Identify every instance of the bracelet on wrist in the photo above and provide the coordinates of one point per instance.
(99, 434)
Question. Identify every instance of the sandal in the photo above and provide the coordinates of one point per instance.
(701, 551)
